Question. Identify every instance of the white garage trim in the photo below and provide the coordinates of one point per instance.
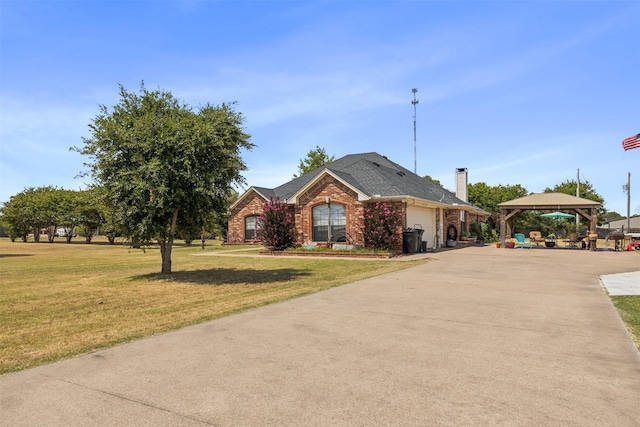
(417, 217)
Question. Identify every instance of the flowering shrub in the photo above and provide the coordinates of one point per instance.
(381, 223)
(275, 226)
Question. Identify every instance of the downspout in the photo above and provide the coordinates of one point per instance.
(440, 227)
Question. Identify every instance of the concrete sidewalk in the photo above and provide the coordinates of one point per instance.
(479, 336)
(622, 283)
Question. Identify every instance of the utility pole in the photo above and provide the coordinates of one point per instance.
(415, 157)
(627, 188)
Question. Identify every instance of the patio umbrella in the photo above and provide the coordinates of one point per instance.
(557, 216)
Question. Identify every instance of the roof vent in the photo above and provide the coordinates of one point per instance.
(377, 164)
(400, 173)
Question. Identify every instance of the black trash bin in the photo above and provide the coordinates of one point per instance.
(412, 240)
(409, 241)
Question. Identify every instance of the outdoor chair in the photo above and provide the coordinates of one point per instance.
(573, 241)
(522, 242)
(536, 237)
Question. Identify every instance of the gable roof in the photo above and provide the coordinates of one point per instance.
(549, 201)
(374, 176)
(340, 176)
(265, 193)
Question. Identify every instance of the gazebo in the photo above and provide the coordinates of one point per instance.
(544, 202)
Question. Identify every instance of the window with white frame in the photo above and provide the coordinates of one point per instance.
(250, 227)
(328, 219)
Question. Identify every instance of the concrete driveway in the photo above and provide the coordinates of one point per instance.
(478, 336)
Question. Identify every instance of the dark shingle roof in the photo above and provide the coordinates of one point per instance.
(373, 175)
(265, 192)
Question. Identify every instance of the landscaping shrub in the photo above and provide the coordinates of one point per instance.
(382, 222)
(275, 227)
(489, 234)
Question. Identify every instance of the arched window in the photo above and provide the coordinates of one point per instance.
(328, 220)
(250, 227)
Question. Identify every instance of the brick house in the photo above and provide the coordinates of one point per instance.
(330, 201)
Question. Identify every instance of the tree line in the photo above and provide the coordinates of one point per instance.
(47, 209)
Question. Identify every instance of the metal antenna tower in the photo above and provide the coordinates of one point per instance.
(415, 158)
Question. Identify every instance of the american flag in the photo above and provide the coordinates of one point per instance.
(631, 142)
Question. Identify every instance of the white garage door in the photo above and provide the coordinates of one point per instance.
(425, 217)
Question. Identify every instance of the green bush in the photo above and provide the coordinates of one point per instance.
(382, 222)
(275, 226)
(489, 234)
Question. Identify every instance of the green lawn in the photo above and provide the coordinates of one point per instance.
(58, 300)
(629, 310)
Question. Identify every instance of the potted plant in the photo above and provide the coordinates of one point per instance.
(475, 231)
(467, 238)
(511, 243)
(550, 241)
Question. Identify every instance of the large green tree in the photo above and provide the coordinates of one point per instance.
(69, 204)
(164, 166)
(15, 217)
(613, 215)
(89, 212)
(488, 197)
(586, 192)
(315, 159)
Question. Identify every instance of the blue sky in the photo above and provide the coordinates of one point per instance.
(517, 92)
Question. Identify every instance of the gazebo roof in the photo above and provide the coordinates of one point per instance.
(549, 201)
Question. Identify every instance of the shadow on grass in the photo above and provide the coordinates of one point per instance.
(74, 242)
(229, 276)
(13, 255)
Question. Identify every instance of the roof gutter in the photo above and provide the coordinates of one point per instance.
(430, 204)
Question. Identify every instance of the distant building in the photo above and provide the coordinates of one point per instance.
(620, 224)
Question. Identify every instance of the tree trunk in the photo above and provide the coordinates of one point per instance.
(135, 243)
(166, 245)
(52, 233)
(165, 251)
(36, 235)
(88, 234)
